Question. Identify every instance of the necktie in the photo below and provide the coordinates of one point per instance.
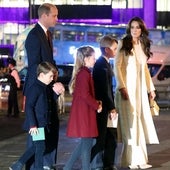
(48, 34)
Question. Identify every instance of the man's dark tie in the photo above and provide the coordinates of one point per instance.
(49, 38)
(110, 69)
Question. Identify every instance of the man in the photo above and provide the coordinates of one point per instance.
(39, 49)
(103, 152)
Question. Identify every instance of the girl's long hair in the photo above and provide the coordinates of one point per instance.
(82, 52)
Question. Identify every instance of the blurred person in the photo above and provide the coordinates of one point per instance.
(82, 119)
(134, 83)
(39, 48)
(15, 83)
(103, 152)
(37, 116)
(23, 104)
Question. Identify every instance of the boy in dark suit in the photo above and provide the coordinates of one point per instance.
(103, 152)
(37, 115)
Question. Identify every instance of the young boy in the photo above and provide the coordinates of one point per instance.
(103, 152)
(37, 115)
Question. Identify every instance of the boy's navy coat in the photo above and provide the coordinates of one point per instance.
(36, 106)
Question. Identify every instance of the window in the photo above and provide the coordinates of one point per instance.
(73, 36)
(115, 35)
(165, 73)
(57, 35)
(127, 4)
(163, 5)
(94, 36)
(153, 68)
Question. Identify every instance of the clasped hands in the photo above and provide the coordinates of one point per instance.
(58, 88)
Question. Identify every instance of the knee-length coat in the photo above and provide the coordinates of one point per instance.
(82, 119)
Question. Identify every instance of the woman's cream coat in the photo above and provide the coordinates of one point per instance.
(136, 123)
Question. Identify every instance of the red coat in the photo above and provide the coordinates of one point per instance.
(82, 120)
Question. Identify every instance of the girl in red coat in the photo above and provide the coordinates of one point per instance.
(82, 121)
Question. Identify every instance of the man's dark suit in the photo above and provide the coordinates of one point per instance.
(39, 50)
(106, 141)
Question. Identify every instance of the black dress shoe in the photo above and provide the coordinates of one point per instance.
(111, 168)
(15, 116)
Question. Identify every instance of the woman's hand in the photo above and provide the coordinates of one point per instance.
(152, 95)
(124, 93)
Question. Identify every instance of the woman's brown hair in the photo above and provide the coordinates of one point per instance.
(144, 39)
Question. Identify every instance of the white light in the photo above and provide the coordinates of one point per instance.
(97, 52)
(72, 50)
(4, 56)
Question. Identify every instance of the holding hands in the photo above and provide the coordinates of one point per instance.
(58, 88)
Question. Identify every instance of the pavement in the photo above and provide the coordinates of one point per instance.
(13, 140)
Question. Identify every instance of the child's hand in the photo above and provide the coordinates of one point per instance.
(100, 106)
(33, 131)
(58, 88)
(112, 114)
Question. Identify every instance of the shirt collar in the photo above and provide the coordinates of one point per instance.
(42, 26)
(106, 58)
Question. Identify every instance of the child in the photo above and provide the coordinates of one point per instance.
(82, 121)
(103, 152)
(14, 80)
(37, 115)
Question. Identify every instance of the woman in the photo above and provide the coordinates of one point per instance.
(134, 83)
(15, 83)
(82, 121)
